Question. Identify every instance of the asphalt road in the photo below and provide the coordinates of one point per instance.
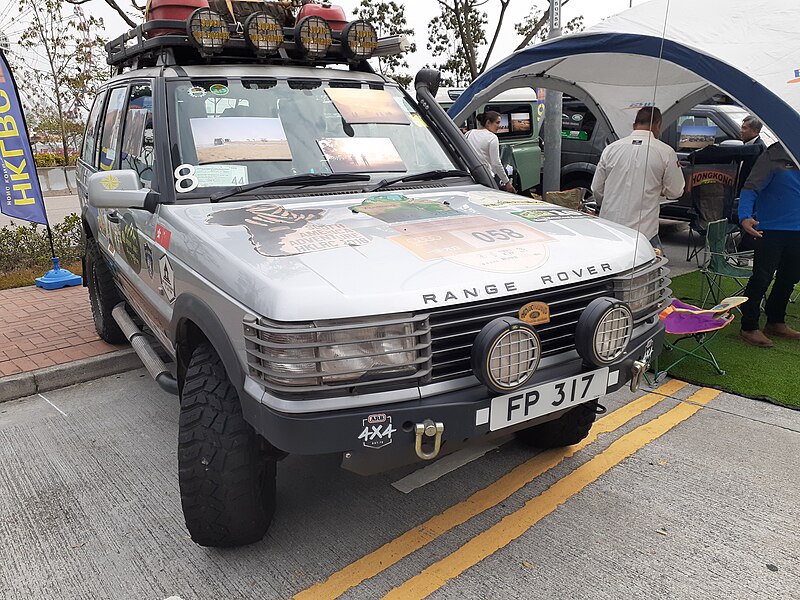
(688, 496)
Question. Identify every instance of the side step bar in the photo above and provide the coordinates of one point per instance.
(154, 365)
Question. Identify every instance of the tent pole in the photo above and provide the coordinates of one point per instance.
(553, 106)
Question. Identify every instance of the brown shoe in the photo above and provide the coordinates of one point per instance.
(756, 338)
(782, 330)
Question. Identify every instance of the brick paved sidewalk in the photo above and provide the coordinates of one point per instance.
(40, 329)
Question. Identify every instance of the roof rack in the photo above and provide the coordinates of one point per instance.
(139, 48)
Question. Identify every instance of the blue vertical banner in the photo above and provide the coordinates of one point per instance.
(21, 193)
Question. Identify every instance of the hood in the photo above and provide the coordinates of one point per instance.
(356, 255)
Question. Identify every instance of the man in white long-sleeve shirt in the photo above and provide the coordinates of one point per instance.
(487, 145)
(634, 173)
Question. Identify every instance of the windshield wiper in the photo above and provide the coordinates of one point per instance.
(304, 180)
(424, 176)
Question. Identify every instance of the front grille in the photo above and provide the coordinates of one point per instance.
(453, 330)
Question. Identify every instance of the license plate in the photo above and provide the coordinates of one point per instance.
(540, 400)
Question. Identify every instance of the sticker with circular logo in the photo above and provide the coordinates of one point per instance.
(218, 89)
(535, 313)
(197, 92)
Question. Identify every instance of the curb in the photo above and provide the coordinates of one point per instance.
(71, 373)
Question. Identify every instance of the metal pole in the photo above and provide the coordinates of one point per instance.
(552, 117)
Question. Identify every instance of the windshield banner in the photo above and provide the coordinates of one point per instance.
(22, 194)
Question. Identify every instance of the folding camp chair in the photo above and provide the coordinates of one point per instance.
(696, 328)
(719, 264)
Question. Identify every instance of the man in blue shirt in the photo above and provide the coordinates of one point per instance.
(769, 210)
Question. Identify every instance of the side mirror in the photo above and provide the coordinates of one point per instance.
(117, 189)
(728, 143)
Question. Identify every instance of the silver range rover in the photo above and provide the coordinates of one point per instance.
(330, 269)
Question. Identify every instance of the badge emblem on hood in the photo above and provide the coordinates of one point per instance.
(535, 313)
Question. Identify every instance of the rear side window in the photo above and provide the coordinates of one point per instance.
(516, 121)
(111, 129)
(137, 139)
(577, 121)
(92, 129)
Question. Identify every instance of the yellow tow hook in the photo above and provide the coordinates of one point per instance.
(638, 370)
(428, 429)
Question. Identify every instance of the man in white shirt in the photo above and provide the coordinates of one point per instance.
(634, 173)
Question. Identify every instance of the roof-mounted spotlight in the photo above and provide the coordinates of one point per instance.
(359, 40)
(313, 36)
(208, 31)
(263, 33)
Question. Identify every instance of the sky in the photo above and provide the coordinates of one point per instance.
(418, 14)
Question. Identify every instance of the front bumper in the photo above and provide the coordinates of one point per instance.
(390, 437)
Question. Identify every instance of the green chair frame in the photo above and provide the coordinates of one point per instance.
(719, 264)
(700, 351)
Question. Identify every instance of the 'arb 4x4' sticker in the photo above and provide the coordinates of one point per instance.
(278, 231)
(377, 431)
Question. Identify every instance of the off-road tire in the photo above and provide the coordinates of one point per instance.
(226, 476)
(570, 428)
(103, 294)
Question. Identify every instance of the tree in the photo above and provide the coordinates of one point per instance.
(140, 9)
(58, 93)
(536, 27)
(458, 33)
(388, 18)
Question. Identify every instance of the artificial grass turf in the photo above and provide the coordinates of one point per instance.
(763, 373)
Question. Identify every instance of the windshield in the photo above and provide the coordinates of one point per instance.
(232, 132)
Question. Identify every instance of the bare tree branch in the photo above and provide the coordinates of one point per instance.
(536, 29)
(503, 6)
(113, 4)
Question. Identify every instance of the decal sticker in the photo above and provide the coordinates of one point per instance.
(377, 431)
(167, 278)
(696, 136)
(185, 178)
(535, 313)
(477, 242)
(497, 201)
(417, 120)
(796, 77)
(163, 236)
(359, 106)
(361, 155)
(110, 182)
(396, 208)
(148, 260)
(278, 231)
(221, 175)
(540, 215)
(239, 138)
(721, 176)
(218, 89)
(197, 91)
(129, 242)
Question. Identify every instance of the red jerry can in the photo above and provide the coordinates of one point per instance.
(334, 15)
(178, 10)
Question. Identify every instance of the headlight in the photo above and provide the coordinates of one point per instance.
(263, 32)
(645, 290)
(208, 30)
(359, 40)
(505, 354)
(603, 332)
(330, 353)
(313, 36)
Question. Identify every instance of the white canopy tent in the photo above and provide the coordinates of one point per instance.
(672, 54)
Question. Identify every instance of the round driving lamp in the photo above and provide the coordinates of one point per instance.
(505, 354)
(313, 36)
(359, 40)
(263, 33)
(208, 31)
(603, 332)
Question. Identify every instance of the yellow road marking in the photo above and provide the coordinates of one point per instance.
(515, 524)
(394, 551)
